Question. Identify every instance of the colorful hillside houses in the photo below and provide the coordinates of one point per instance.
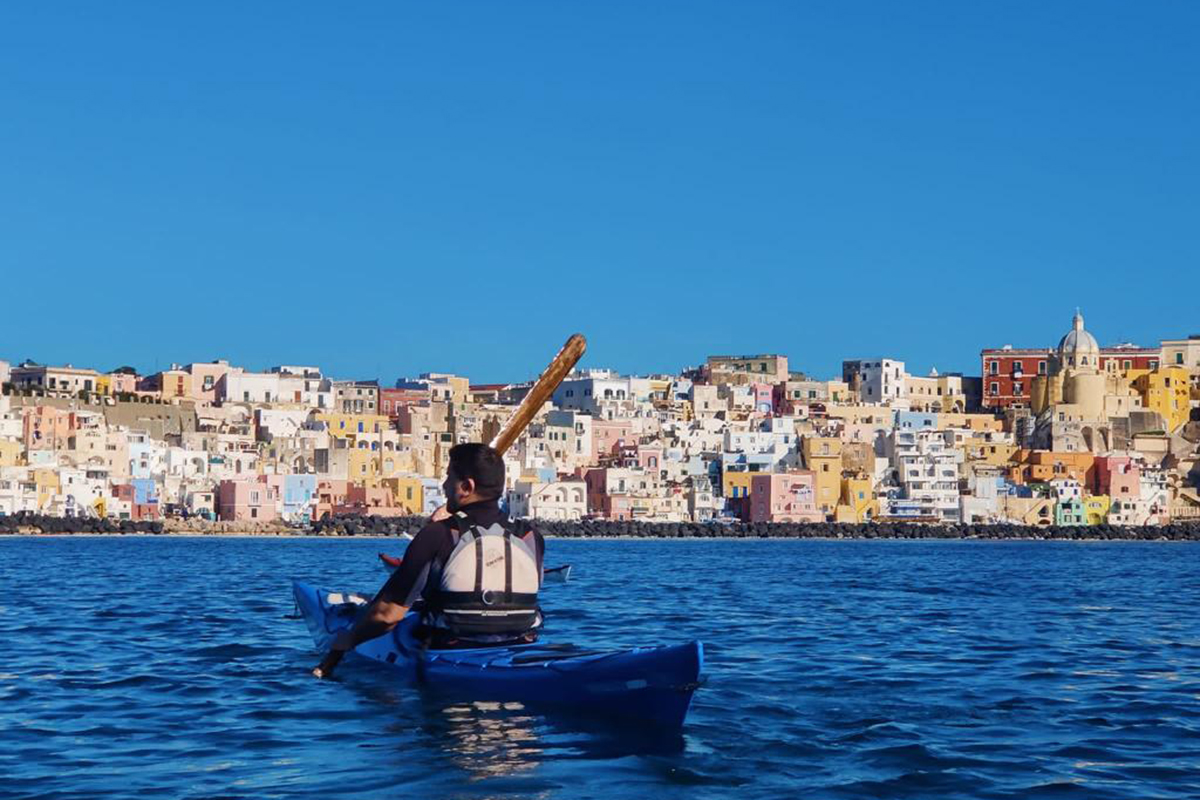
(1081, 433)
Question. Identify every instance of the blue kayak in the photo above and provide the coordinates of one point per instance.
(647, 684)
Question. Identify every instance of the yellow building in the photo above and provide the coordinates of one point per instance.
(986, 451)
(408, 492)
(823, 456)
(736, 484)
(1166, 391)
(368, 466)
(174, 384)
(1096, 506)
(10, 453)
(858, 501)
(355, 428)
(48, 485)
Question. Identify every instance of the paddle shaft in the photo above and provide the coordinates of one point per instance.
(553, 375)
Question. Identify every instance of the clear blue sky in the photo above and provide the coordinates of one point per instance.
(391, 188)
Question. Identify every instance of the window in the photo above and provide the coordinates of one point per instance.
(1017, 388)
(993, 367)
(1154, 364)
(1127, 364)
(994, 389)
(1179, 358)
(1041, 368)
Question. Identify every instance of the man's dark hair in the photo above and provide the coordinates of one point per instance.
(481, 464)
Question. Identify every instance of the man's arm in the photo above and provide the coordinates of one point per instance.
(380, 617)
(393, 600)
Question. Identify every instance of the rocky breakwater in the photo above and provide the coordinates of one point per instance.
(29, 523)
(877, 530)
(366, 525)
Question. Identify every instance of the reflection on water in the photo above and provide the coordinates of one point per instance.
(488, 740)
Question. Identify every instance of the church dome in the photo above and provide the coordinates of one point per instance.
(1079, 349)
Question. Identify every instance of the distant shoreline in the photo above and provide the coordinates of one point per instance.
(1034, 535)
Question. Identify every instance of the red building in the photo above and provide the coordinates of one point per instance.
(392, 400)
(1008, 373)
(1122, 357)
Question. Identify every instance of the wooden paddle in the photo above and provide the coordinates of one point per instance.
(541, 391)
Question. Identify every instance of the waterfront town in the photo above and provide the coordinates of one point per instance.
(1069, 435)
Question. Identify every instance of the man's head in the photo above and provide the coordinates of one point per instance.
(476, 472)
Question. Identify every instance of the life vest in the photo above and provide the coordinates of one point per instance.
(488, 586)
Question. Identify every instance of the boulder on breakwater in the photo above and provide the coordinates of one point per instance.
(366, 525)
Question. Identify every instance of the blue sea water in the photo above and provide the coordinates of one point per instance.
(167, 667)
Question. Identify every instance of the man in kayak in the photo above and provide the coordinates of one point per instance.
(475, 573)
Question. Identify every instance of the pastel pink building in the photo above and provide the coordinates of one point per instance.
(376, 501)
(764, 397)
(1118, 477)
(47, 428)
(605, 500)
(245, 499)
(331, 494)
(784, 497)
(122, 383)
(205, 378)
(650, 457)
(607, 434)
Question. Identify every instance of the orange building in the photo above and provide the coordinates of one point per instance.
(1042, 466)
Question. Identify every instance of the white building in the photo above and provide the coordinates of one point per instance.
(305, 389)
(54, 380)
(237, 386)
(1182, 352)
(557, 500)
(18, 492)
(568, 439)
(927, 473)
(878, 380)
(587, 391)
